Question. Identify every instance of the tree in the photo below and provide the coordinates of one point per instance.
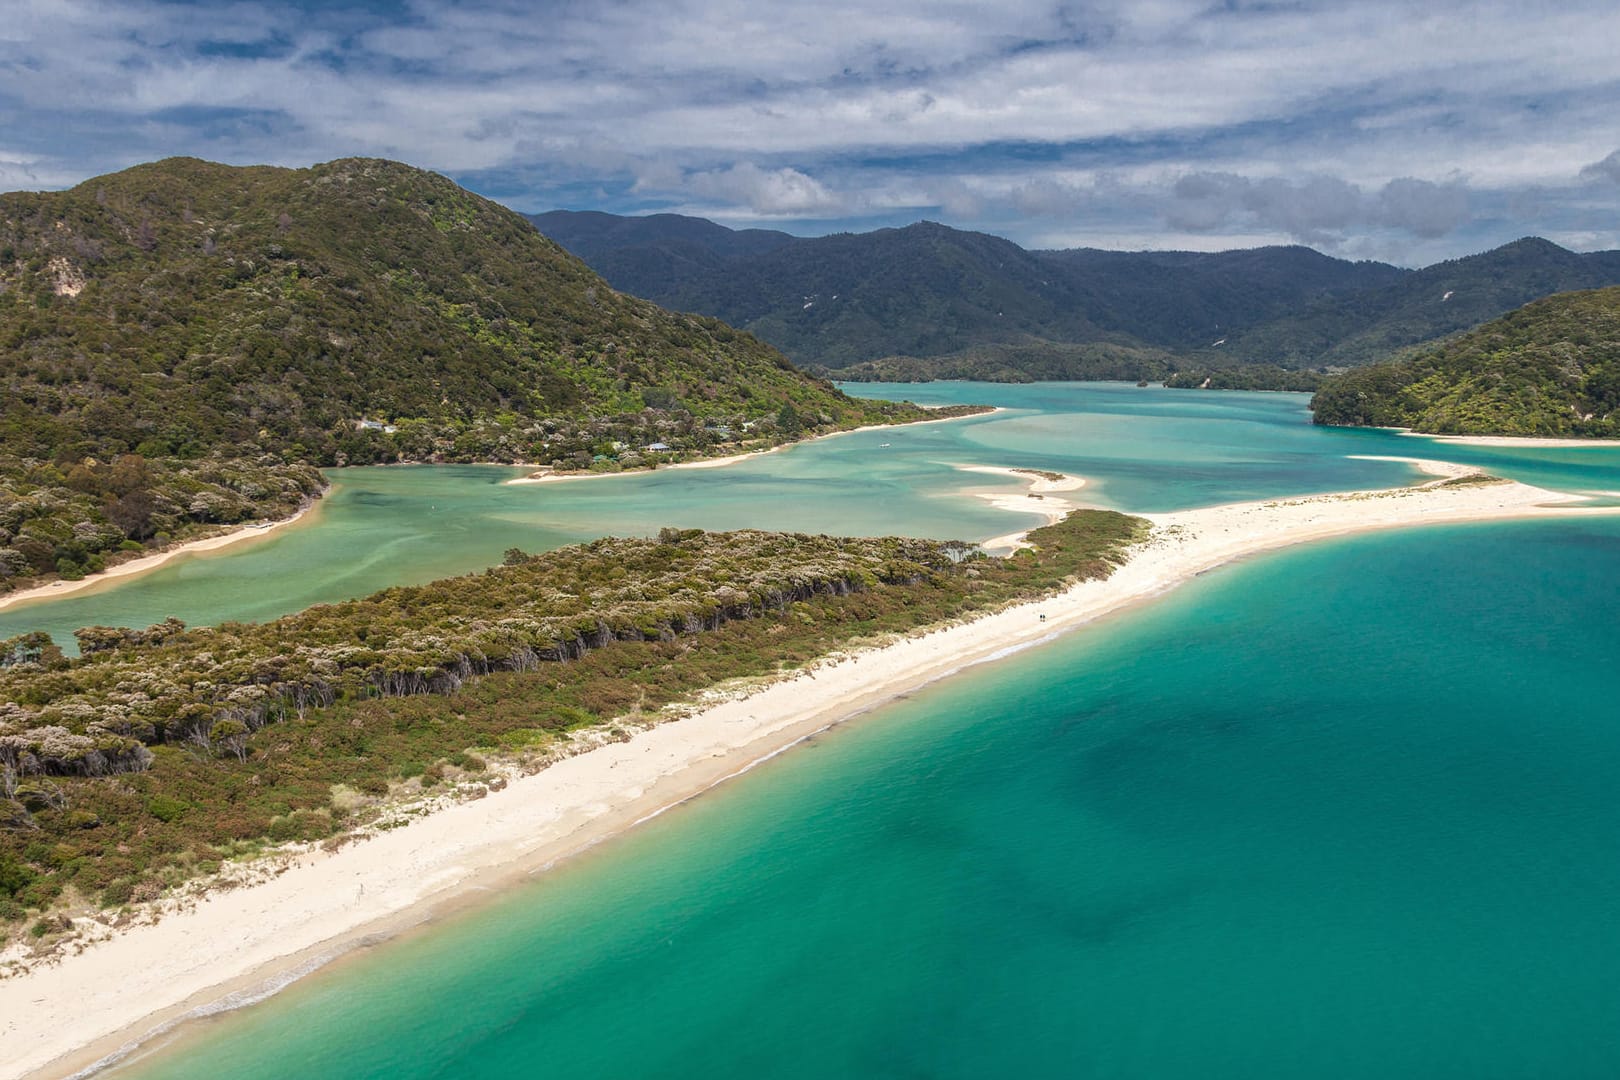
(231, 736)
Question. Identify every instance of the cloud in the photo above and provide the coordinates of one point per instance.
(1314, 120)
(1608, 169)
(768, 192)
(1315, 209)
(1421, 208)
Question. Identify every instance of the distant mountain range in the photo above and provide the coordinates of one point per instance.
(933, 294)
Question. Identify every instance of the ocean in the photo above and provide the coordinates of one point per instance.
(1344, 811)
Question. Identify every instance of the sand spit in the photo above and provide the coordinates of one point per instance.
(70, 1013)
(1044, 496)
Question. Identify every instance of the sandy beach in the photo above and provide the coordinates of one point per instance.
(1529, 441)
(232, 946)
(548, 477)
(239, 535)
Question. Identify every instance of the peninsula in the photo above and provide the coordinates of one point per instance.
(1550, 370)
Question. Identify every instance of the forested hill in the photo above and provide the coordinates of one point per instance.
(928, 290)
(1550, 368)
(931, 301)
(184, 305)
(643, 255)
(1425, 305)
(837, 300)
(180, 341)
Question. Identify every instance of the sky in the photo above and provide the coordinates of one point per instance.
(1408, 132)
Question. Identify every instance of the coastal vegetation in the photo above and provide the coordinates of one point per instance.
(1550, 368)
(1245, 377)
(181, 342)
(161, 752)
(1047, 361)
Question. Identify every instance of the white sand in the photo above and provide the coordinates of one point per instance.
(239, 535)
(1511, 440)
(59, 1018)
(549, 477)
(1043, 496)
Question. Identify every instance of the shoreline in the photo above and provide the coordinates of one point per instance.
(1550, 442)
(239, 534)
(732, 459)
(121, 992)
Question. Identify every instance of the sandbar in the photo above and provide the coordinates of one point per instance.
(63, 1016)
(1044, 496)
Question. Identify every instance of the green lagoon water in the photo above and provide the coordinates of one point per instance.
(1145, 449)
(1351, 810)
(1142, 449)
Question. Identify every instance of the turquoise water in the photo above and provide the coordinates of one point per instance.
(1157, 449)
(1347, 811)
(1141, 449)
(1342, 811)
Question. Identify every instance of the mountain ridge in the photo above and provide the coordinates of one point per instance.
(939, 293)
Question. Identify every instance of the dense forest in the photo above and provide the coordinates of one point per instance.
(180, 342)
(1022, 362)
(1045, 361)
(937, 302)
(928, 290)
(1550, 368)
(1424, 306)
(160, 752)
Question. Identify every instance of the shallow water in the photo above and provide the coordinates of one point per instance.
(1142, 450)
(1344, 811)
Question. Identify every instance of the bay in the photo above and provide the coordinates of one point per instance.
(1345, 811)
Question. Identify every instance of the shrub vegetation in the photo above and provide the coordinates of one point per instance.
(158, 753)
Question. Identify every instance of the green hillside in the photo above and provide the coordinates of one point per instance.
(209, 332)
(1423, 306)
(1550, 368)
